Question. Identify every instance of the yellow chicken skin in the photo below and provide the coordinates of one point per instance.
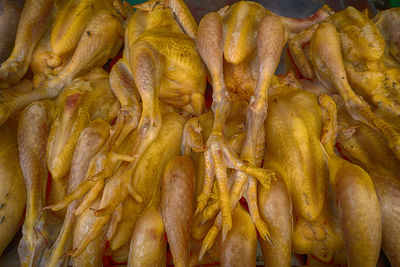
(87, 98)
(89, 143)
(246, 43)
(34, 19)
(9, 17)
(347, 52)
(12, 189)
(328, 63)
(372, 73)
(369, 149)
(219, 154)
(144, 66)
(356, 199)
(293, 129)
(99, 42)
(58, 44)
(182, 74)
(33, 130)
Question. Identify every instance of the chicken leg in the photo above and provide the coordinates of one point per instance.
(34, 127)
(270, 42)
(33, 23)
(219, 154)
(98, 43)
(329, 68)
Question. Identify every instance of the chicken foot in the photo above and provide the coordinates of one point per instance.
(219, 155)
(270, 42)
(146, 73)
(90, 141)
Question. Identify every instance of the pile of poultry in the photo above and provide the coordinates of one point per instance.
(108, 158)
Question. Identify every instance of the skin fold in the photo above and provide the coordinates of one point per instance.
(33, 22)
(9, 18)
(93, 49)
(240, 245)
(89, 143)
(177, 192)
(33, 130)
(321, 238)
(356, 74)
(148, 245)
(356, 199)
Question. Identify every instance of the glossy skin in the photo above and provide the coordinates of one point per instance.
(353, 59)
(61, 39)
(240, 245)
(142, 71)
